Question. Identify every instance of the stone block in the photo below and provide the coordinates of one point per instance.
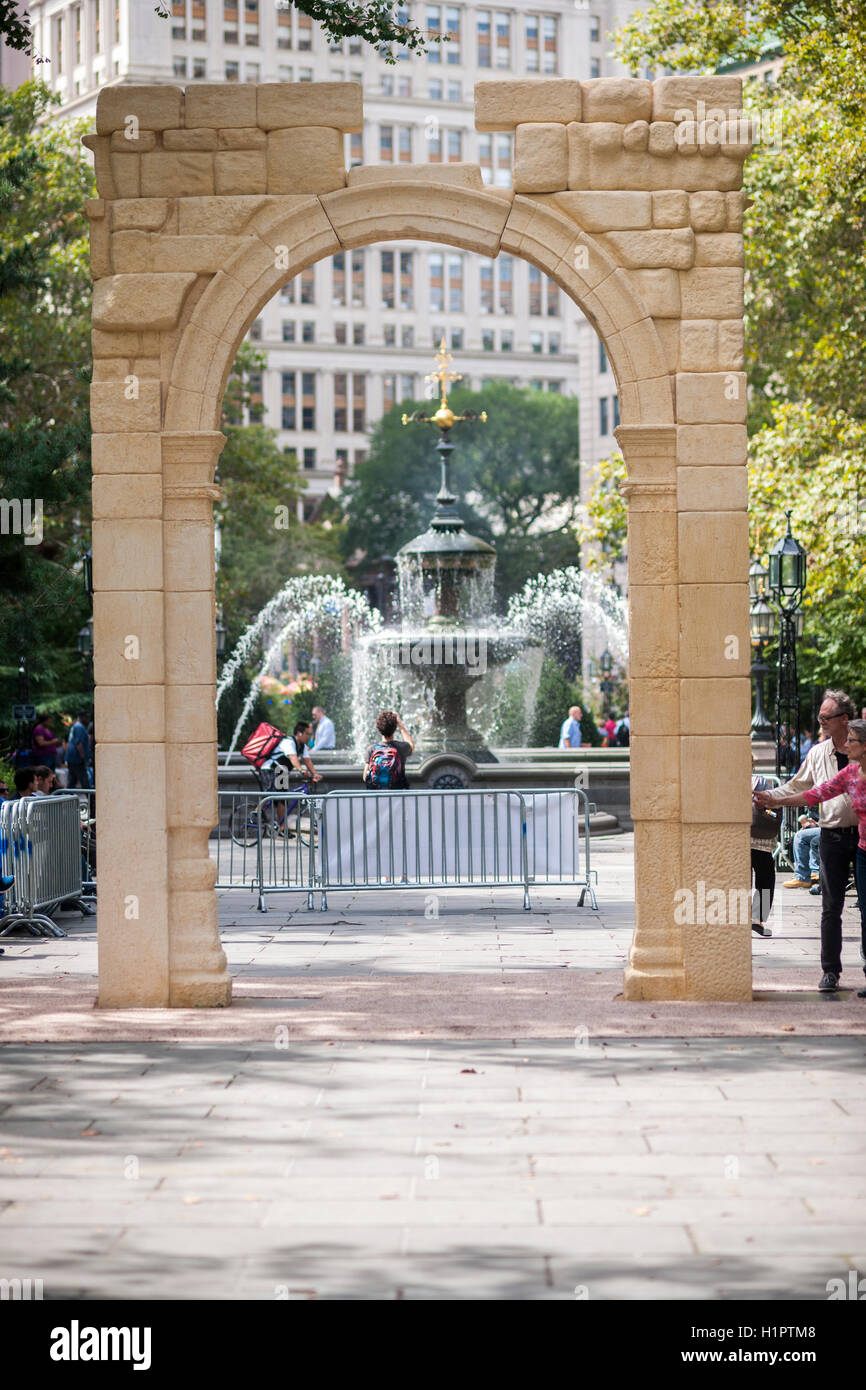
(540, 158)
(154, 108)
(732, 347)
(635, 137)
(126, 174)
(714, 629)
(653, 250)
(673, 95)
(133, 142)
(224, 216)
(125, 453)
(189, 557)
(621, 99)
(139, 214)
(190, 713)
(707, 211)
(716, 773)
(654, 705)
(128, 639)
(190, 799)
(245, 138)
(654, 628)
(699, 345)
(713, 547)
(734, 211)
(668, 331)
(127, 555)
(659, 291)
(113, 411)
(652, 547)
(714, 706)
(100, 251)
(200, 253)
(220, 104)
(670, 208)
(719, 248)
(282, 105)
(130, 714)
(717, 398)
(712, 444)
(126, 495)
(130, 253)
(716, 853)
(502, 105)
(241, 171)
(655, 402)
(604, 212)
(201, 140)
(579, 155)
(712, 489)
(190, 652)
(306, 159)
(662, 139)
(136, 302)
(178, 174)
(654, 776)
(643, 349)
(463, 175)
(712, 293)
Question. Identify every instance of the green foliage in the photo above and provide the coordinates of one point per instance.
(44, 375)
(518, 477)
(334, 693)
(604, 529)
(556, 694)
(15, 30)
(509, 725)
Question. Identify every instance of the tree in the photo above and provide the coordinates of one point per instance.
(555, 695)
(44, 376)
(518, 477)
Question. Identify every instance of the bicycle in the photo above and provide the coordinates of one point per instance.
(280, 818)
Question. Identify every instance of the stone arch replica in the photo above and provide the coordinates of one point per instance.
(210, 199)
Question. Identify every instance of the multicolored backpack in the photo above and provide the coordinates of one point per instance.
(384, 767)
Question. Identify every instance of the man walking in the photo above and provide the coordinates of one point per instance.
(838, 824)
(78, 753)
(569, 734)
(324, 734)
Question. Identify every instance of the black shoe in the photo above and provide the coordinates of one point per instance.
(861, 994)
(760, 930)
(829, 982)
(815, 890)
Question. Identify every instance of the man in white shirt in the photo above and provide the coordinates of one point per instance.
(569, 734)
(323, 728)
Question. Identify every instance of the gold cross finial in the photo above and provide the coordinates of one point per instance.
(443, 373)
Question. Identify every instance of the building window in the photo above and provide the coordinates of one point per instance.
(536, 342)
(357, 279)
(309, 459)
(340, 333)
(455, 91)
(549, 56)
(199, 68)
(434, 29)
(404, 86)
(284, 28)
(386, 84)
(356, 148)
(555, 387)
(359, 403)
(252, 72)
(305, 33)
(285, 74)
(594, 29)
(407, 336)
(407, 387)
(534, 291)
(455, 284)
(338, 279)
(287, 293)
(98, 26)
(532, 50)
(403, 19)
(404, 144)
(308, 285)
(340, 402)
(536, 385)
(455, 146)
(482, 31)
(434, 89)
(178, 19)
(256, 331)
(452, 31)
(386, 144)
(486, 272)
(386, 276)
(358, 335)
(308, 331)
(433, 136)
(179, 67)
(305, 74)
(552, 299)
(436, 266)
(594, 67)
(506, 340)
(308, 401)
(602, 415)
(58, 42)
(602, 358)
(553, 343)
(503, 39)
(342, 459)
(388, 389)
(615, 402)
(199, 20)
(288, 400)
(232, 72)
(502, 172)
(288, 330)
(485, 157)
(390, 335)
(456, 339)
(407, 277)
(506, 285)
(360, 456)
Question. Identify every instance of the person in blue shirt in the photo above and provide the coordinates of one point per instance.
(569, 734)
(78, 753)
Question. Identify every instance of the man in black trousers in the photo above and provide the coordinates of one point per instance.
(838, 822)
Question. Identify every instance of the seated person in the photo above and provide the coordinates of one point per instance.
(807, 862)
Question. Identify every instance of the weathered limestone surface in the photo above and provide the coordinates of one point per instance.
(627, 193)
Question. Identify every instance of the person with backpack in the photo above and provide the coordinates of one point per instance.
(385, 767)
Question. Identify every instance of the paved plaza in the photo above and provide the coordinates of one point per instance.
(401, 1106)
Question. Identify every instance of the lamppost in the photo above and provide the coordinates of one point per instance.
(220, 635)
(85, 634)
(787, 582)
(605, 664)
(762, 626)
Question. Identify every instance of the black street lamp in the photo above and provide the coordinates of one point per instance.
(220, 637)
(762, 626)
(787, 583)
(85, 640)
(605, 665)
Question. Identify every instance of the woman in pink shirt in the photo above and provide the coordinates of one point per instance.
(849, 781)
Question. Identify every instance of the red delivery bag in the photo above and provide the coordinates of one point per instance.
(261, 744)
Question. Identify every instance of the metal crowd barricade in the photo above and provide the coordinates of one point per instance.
(556, 822)
(40, 844)
(267, 843)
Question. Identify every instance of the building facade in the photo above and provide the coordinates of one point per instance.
(356, 332)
